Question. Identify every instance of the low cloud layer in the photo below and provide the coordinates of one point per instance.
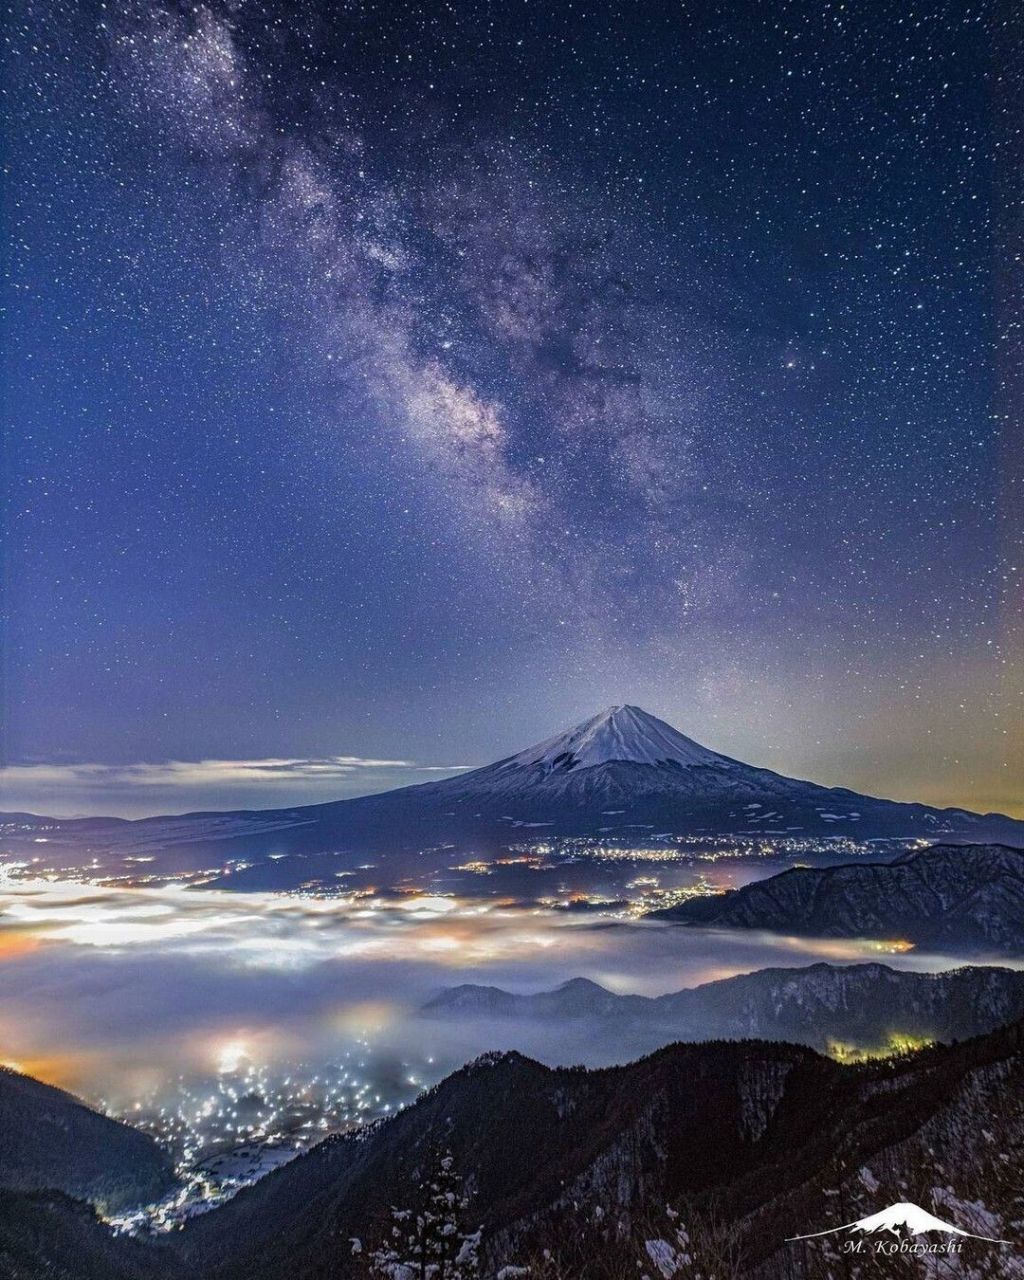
(102, 985)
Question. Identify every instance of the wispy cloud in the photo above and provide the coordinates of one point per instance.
(148, 983)
(191, 773)
(62, 789)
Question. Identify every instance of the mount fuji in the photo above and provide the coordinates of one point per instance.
(624, 770)
(621, 775)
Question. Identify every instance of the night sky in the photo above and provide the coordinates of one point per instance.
(389, 386)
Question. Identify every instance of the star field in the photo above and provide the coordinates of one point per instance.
(405, 380)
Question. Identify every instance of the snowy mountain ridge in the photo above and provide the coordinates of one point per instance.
(856, 1005)
(957, 898)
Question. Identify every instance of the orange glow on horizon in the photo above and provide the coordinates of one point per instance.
(16, 944)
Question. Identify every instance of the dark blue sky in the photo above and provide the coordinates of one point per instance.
(405, 382)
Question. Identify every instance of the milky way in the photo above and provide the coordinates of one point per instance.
(401, 382)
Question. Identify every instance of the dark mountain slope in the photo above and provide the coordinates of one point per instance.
(959, 898)
(50, 1140)
(867, 1005)
(770, 1139)
(758, 1130)
(526, 1133)
(45, 1235)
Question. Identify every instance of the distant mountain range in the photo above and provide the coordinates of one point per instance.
(622, 774)
(867, 1006)
(961, 899)
(722, 1151)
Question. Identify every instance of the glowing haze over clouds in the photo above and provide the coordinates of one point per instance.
(393, 386)
(103, 986)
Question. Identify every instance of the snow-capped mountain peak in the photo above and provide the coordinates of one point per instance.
(620, 733)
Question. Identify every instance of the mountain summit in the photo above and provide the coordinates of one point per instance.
(621, 733)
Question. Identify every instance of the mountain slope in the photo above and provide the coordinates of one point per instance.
(582, 1163)
(622, 774)
(751, 1143)
(525, 1132)
(45, 1235)
(866, 1005)
(627, 771)
(962, 898)
(50, 1140)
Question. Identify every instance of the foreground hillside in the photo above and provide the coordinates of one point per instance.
(48, 1234)
(701, 1159)
(750, 1143)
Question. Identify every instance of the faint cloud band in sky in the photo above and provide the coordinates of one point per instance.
(131, 790)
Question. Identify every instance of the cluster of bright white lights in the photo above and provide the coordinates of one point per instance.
(226, 1131)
